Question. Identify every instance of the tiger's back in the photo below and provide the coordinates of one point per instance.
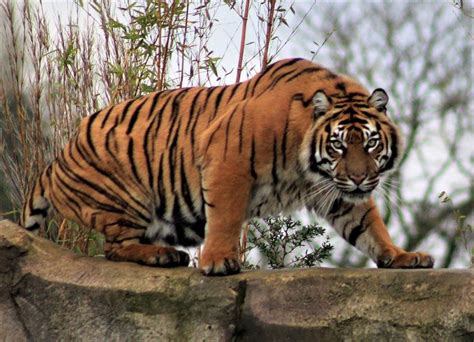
(168, 167)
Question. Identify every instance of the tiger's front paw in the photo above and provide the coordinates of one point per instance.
(217, 265)
(407, 260)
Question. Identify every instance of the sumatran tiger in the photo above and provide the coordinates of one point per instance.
(192, 165)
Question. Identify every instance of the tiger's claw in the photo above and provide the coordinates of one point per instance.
(407, 260)
(223, 267)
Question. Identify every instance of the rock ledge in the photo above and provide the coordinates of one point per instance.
(49, 293)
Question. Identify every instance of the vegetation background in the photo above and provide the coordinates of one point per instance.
(62, 60)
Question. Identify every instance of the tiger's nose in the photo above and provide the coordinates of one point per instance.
(358, 179)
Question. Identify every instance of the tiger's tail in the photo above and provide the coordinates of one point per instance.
(37, 204)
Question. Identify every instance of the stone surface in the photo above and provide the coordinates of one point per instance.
(49, 293)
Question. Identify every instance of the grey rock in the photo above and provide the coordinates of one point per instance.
(48, 293)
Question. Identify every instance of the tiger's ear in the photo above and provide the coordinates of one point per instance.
(379, 99)
(320, 103)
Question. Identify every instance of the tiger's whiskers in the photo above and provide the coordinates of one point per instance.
(327, 200)
(319, 188)
(388, 193)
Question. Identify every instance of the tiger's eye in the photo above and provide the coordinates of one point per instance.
(337, 144)
(372, 142)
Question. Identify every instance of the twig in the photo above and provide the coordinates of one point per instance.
(242, 40)
(268, 35)
(181, 76)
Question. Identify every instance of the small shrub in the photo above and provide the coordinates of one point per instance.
(285, 242)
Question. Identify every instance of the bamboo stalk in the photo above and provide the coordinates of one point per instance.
(169, 39)
(268, 35)
(242, 40)
(186, 23)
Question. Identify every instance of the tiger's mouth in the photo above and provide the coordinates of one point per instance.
(357, 194)
(356, 188)
(348, 190)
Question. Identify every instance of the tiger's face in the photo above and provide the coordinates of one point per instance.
(354, 143)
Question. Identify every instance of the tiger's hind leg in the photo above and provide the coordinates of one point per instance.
(127, 243)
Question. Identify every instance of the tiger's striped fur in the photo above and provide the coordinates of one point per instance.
(183, 166)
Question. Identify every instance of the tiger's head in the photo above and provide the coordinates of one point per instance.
(352, 143)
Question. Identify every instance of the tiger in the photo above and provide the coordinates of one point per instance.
(192, 166)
